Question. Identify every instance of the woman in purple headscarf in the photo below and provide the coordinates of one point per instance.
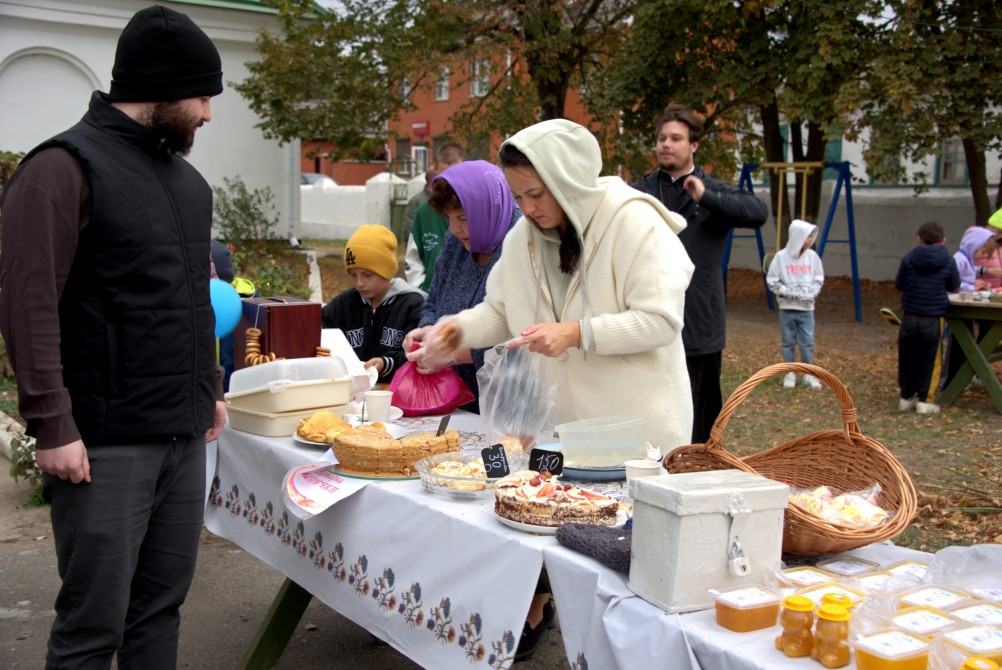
(474, 197)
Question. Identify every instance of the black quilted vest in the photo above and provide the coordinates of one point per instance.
(137, 347)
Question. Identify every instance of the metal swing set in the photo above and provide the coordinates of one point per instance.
(807, 169)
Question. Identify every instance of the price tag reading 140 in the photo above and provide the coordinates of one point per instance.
(495, 461)
(543, 459)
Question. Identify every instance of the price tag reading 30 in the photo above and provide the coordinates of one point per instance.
(495, 461)
(543, 459)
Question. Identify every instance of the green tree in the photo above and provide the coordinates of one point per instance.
(748, 67)
(937, 75)
(342, 75)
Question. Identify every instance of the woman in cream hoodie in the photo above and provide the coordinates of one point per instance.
(594, 275)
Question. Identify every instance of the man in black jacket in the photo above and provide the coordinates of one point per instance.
(711, 207)
(106, 312)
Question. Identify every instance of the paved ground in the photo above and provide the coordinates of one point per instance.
(229, 597)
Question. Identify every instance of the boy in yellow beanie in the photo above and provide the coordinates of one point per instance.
(381, 308)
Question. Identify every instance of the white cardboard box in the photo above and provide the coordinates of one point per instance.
(704, 530)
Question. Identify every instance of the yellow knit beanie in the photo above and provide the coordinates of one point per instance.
(372, 248)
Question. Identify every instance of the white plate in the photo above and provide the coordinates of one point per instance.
(621, 518)
(587, 474)
(310, 443)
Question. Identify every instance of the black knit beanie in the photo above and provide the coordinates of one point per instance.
(163, 56)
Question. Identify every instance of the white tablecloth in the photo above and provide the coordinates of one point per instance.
(439, 579)
(620, 630)
(447, 584)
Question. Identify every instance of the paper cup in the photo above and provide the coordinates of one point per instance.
(642, 468)
(966, 296)
(377, 406)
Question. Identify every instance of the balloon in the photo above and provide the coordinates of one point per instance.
(226, 304)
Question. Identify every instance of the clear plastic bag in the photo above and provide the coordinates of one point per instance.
(517, 396)
(857, 509)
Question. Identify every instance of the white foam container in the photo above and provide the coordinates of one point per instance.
(685, 525)
(291, 385)
(273, 424)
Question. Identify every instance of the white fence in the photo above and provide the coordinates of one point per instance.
(335, 212)
(886, 220)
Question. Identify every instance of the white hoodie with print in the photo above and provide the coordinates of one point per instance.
(794, 277)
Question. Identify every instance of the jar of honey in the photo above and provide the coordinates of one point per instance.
(797, 619)
(831, 637)
(977, 663)
(840, 599)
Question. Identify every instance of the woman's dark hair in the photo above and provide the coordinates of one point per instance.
(442, 196)
(570, 243)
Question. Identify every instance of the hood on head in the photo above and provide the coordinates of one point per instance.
(974, 238)
(799, 230)
(486, 201)
(568, 159)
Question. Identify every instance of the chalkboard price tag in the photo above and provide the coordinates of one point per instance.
(495, 461)
(544, 459)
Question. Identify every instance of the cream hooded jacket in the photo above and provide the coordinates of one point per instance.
(628, 292)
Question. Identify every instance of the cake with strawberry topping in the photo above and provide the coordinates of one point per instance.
(538, 499)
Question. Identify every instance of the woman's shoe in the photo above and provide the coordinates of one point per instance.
(549, 615)
(531, 639)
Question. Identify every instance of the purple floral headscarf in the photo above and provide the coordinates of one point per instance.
(486, 200)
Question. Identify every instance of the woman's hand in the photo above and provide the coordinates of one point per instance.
(550, 339)
(416, 336)
(439, 345)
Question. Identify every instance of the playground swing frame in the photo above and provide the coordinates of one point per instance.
(807, 168)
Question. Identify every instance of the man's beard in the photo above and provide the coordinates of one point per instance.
(174, 125)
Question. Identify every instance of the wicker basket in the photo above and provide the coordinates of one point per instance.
(845, 460)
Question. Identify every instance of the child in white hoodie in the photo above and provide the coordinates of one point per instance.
(795, 277)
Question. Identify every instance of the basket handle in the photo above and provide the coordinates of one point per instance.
(850, 427)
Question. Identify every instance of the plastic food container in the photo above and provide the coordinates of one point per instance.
(464, 488)
(290, 385)
(847, 567)
(873, 581)
(806, 576)
(922, 620)
(746, 608)
(607, 441)
(981, 641)
(995, 595)
(914, 568)
(818, 591)
(273, 424)
(891, 650)
(932, 596)
(978, 612)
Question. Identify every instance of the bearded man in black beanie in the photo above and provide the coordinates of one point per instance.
(106, 313)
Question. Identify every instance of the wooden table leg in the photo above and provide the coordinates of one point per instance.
(277, 628)
(976, 362)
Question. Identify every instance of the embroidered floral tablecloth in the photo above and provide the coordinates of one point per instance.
(439, 579)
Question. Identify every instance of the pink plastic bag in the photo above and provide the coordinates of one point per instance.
(438, 393)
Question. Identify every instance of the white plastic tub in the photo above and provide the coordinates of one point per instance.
(607, 441)
(273, 424)
(290, 385)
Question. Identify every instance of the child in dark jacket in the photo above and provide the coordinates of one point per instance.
(926, 275)
(381, 309)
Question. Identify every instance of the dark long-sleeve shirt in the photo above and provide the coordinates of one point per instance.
(44, 207)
